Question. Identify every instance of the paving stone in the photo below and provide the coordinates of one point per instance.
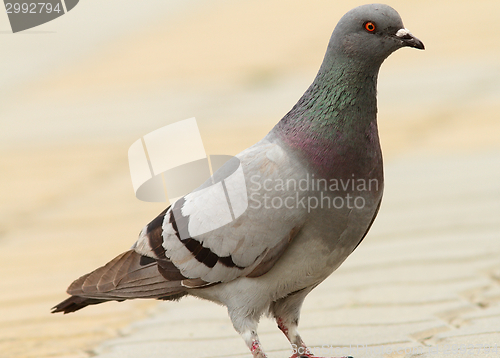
(484, 345)
(417, 272)
(360, 315)
(493, 311)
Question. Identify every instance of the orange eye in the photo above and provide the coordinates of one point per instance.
(370, 26)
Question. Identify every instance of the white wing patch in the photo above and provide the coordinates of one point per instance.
(207, 241)
(208, 209)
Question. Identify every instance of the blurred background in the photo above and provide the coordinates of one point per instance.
(76, 92)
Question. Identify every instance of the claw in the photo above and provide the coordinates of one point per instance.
(295, 355)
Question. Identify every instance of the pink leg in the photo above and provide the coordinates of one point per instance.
(289, 329)
(290, 332)
(246, 326)
(256, 350)
(252, 340)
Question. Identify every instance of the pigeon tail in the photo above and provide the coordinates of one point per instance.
(75, 303)
(128, 276)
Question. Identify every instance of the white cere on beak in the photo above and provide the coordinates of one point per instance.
(403, 33)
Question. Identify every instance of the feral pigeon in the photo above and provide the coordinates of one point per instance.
(305, 198)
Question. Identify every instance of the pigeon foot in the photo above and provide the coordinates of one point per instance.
(310, 356)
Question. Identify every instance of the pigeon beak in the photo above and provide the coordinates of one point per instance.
(409, 40)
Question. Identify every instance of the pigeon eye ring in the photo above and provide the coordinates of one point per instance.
(370, 26)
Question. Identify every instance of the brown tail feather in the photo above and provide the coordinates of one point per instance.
(75, 303)
(124, 277)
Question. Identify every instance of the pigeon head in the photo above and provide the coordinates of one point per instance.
(369, 34)
(335, 121)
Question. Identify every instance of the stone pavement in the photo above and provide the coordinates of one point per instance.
(424, 283)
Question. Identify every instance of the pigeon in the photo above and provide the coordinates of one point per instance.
(303, 199)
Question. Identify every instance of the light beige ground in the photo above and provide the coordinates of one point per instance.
(67, 203)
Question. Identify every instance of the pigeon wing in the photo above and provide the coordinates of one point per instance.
(208, 243)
